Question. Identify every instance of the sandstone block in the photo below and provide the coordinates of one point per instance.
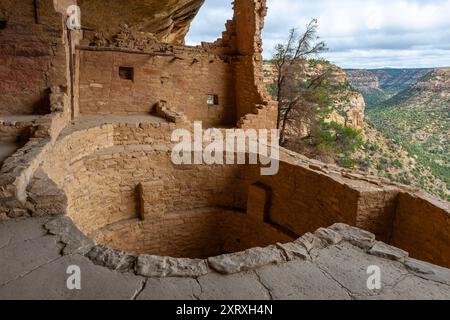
(330, 236)
(358, 237)
(293, 250)
(310, 242)
(246, 260)
(112, 259)
(384, 250)
(156, 266)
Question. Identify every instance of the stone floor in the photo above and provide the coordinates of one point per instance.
(34, 260)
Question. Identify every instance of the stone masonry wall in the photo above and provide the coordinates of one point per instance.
(251, 93)
(231, 68)
(33, 56)
(422, 226)
(102, 189)
(184, 80)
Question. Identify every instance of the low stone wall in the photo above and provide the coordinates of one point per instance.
(422, 226)
(14, 131)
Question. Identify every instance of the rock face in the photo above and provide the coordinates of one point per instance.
(364, 80)
(378, 85)
(438, 80)
(347, 105)
(168, 20)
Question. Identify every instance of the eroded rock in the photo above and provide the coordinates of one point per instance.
(358, 237)
(428, 271)
(112, 259)
(383, 250)
(310, 242)
(246, 260)
(45, 197)
(75, 241)
(157, 266)
(330, 236)
(293, 250)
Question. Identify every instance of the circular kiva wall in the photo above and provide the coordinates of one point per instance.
(132, 197)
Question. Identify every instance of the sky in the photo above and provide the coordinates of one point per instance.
(359, 33)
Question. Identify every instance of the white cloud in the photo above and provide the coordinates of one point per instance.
(401, 33)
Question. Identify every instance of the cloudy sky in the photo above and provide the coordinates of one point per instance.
(359, 33)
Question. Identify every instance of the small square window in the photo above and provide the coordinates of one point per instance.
(213, 100)
(2, 24)
(126, 73)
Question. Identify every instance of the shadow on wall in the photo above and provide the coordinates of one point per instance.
(42, 106)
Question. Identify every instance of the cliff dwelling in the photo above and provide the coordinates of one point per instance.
(86, 117)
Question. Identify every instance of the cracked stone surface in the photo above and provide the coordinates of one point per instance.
(49, 282)
(239, 286)
(348, 265)
(34, 266)
(75, 241)
(170, 289)
(27, 256)
(413, 288)
(300, 281)
(12, 231)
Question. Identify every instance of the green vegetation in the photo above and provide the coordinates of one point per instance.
(419, 121)
(340, 141)
(374, 97)
(391, 83)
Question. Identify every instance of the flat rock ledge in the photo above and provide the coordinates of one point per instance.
(326, 264)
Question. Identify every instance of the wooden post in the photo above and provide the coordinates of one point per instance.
(72, 74)
(37, 11)
(141, 202)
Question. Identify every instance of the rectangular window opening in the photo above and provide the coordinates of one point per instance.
(126, 73)
(213, 99)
